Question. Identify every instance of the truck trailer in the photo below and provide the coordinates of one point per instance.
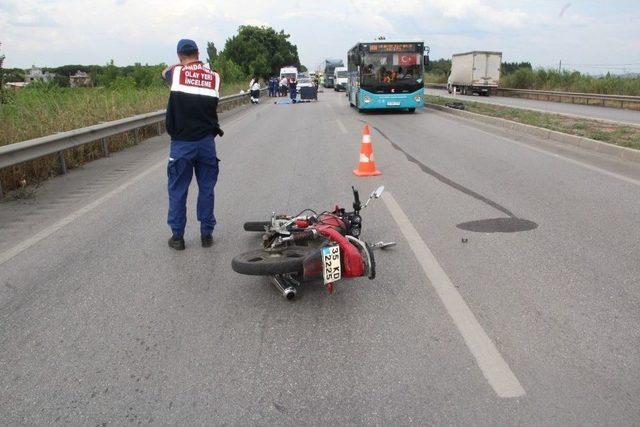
(474, 72)
(329, 68)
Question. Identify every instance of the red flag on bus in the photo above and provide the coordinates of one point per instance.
(406, 59)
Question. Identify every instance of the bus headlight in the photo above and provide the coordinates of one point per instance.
(366, 99)
(417, 98)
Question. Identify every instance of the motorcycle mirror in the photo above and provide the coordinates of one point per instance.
(376, 194)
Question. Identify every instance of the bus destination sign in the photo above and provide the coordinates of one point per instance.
(393, 47)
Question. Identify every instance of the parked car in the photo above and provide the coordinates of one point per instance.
(305, 82)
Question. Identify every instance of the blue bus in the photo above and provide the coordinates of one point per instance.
(387, 75)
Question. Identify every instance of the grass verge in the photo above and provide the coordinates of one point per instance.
(625, 136)
(32, 113)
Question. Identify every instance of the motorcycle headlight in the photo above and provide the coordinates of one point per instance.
(417, 98)
(366, 99)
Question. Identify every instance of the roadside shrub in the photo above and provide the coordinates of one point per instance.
(571, 81)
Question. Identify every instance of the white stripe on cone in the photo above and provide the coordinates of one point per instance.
(366, 139)
(363, 158)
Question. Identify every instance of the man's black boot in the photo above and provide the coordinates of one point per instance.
(207, 240)
(176, 243)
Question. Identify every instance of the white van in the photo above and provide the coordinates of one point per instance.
(340, 78)
(289, 73)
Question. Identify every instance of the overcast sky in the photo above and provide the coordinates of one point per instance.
(592, 36)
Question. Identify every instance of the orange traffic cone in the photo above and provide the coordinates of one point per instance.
(366, 166)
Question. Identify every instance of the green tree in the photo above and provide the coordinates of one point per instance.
(510, 67)
(440, 66)
(212, 52)
(3, 97)
(107, 75)
(253, 47)
(228, 70)
(1, 71)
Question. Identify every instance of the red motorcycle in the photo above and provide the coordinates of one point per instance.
(311, 246)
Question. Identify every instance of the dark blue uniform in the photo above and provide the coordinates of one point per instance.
(293, 91)
(192, 123)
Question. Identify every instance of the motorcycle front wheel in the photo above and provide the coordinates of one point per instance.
(264, 263)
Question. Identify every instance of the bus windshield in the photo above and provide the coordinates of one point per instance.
(392, 68)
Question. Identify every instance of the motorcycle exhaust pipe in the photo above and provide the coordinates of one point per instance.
(287, 291)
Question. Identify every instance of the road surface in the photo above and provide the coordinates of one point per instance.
(588, 111)
(101, 323)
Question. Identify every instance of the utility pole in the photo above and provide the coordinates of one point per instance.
(560, 66)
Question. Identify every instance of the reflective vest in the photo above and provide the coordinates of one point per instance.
(193, 102)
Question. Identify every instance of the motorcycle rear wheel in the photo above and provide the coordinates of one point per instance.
(263, 263)
(259, 226)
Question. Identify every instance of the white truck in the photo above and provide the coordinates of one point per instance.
(340, 78)
(474, 72)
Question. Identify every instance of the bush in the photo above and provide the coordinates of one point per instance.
(571, 81)
(228, 70)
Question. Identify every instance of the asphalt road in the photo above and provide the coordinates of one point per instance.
(589, 111)
(100, 322)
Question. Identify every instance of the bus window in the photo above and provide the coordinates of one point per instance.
(396, 68)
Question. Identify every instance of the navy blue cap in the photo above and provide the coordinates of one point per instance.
(187, 46)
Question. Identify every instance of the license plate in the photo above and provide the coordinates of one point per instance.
(393, 103)
(332, 271)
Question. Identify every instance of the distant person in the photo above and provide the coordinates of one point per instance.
(255, 91)
(272, 86)
(293, 88)
(192, 123)
(284, 86)
(397, 74)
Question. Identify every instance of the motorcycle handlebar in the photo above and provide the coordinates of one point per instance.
(302, 235)
(356, 199)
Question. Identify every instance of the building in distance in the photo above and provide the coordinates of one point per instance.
(80, 79)
(36, 74)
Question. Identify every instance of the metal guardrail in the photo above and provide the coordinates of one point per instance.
(33, 149)
(617, 101)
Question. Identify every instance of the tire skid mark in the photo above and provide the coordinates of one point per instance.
(445, 180)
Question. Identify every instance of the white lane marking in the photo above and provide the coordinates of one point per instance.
(43, 234)
(549, 153)
(341, 126)
(494, 368)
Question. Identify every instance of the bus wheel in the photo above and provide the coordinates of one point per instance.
(411, 110)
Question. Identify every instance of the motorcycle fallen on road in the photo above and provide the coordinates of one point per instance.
(311, 247)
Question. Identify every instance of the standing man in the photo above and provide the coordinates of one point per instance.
(192, 123)
(293, 88)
